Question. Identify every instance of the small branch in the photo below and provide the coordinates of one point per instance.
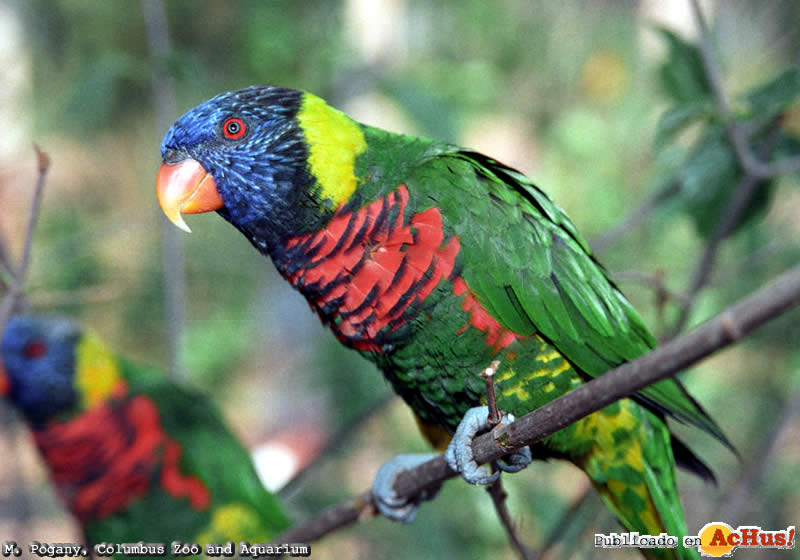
(491, 398)
(335, 442)
(499, 495)
(767, 303)
(562, 525)
(95, 293)
(496, 490)
(6, 270)
(655, 281)
(332, 519)
(739, 497)
(751, 164)
(18, 280)
(173, 258)
(6, 275)
(737, 206)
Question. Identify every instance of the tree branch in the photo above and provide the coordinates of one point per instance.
(743, 193)
(750, 162)
(564, 523)
(499, 495)
(6, 270)
(770, 301)
(18, 280)
(738, 497)
(157, 31)
(495, 489)
(335, 443)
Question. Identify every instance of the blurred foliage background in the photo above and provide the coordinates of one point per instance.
(590, 99)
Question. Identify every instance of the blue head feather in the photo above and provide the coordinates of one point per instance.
(38, 354)
(261, 177)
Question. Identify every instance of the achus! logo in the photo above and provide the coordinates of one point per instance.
(718, 539)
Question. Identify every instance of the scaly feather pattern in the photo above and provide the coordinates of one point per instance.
(432, 260)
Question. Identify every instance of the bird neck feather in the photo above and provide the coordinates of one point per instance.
(97, 373)
(334, 142)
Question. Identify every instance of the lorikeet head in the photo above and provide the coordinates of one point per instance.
(38, 356)
(54, 369)
(242, 153)
(272, 161)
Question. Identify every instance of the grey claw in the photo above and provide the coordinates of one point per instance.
(459, 453)
(383, 495)
(517, 461)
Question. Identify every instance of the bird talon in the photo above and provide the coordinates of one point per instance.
(384, 497)
(517, 461)
(459, 453)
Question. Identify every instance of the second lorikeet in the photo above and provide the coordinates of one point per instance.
(433, 260)
(134, 456)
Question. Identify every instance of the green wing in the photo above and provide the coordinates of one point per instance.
(534, 273)
(215, 455)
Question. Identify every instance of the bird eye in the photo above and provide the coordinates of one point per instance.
(35, 350)
(234, 128)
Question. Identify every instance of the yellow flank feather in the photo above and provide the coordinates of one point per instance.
(438, 437)
(607, 454)
(233, 522)
(334, 141)
(97, 372)
(541, 379)
(600, 427)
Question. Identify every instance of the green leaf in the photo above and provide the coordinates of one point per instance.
(682, 75)
(772, 98)
(709, 179)
(676, 118)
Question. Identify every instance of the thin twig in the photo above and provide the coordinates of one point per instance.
(95, 293)
(739, 497)
(499, 495)
(158, 44)
(743, 194)
(496, 490)
(6, 270)
(656, 282)
(754, 174)
(21, 497)
(562, 525)
(750, 162)
(491, 397)
(6, 275)
(15, 290)
(767, 303)
(334, 443)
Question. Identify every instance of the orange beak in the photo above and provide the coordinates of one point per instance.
(186, 188)
(5, 385)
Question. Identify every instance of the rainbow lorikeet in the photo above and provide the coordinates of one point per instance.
(432, 260)
(134, 456)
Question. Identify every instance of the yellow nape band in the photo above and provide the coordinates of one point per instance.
(334, 141)
(96, 373)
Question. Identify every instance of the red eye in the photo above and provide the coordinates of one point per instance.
(35, 350)
(233, 129)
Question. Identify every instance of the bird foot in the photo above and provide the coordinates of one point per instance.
(459, 453)
(387, 501)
